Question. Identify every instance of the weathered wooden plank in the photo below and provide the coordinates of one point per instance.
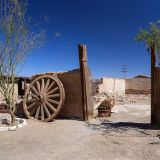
(88, 109)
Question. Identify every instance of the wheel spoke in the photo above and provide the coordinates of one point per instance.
(46, 109)
(34, 89)
(31, 105)
(50, 86)
(53, 96)
(52, 101)
(42, 112)
(50, 106)
(31, 100)
(38, 86)
(42, 87)
(37, 113)
(33, 110)
(47, 84)
(52, 91)
(33, 95)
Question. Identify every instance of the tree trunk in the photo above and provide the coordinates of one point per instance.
(12, 117)
(153, 60)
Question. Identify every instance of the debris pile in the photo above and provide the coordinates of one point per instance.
(120, 100)
(103, 104)
(99, 97)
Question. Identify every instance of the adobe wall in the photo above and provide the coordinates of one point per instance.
(138, 84)
(73, 107)
(112, 85)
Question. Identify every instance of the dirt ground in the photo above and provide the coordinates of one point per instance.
(126, 135)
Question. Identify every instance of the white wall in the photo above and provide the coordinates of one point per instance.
(112, 85)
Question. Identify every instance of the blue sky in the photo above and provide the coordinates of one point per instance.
(107, 27)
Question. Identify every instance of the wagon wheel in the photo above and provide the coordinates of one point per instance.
(44, 98)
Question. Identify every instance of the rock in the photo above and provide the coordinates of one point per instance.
(12, 128)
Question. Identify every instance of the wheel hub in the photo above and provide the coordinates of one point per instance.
(41, 98)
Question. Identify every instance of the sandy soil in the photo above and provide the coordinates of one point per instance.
(127, 135)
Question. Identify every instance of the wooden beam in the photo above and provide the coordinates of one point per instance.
(88, 109)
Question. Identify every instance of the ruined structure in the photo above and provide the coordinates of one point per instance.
(62, 94)
(114, 86)
(139, 84)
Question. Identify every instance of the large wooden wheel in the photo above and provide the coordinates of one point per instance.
(44, 98)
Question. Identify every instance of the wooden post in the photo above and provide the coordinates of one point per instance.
(153, 96)
(88, 110)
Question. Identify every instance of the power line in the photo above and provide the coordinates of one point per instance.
(124, 70)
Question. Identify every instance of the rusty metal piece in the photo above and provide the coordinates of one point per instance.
(44, 98)
(104, 109)
(104, 113)
(104, 106)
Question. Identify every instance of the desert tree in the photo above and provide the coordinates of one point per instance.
(151, 37)
(17, 40)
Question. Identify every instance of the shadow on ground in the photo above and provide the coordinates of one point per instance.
(124, 128)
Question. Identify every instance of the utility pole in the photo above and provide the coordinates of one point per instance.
(124, 71)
